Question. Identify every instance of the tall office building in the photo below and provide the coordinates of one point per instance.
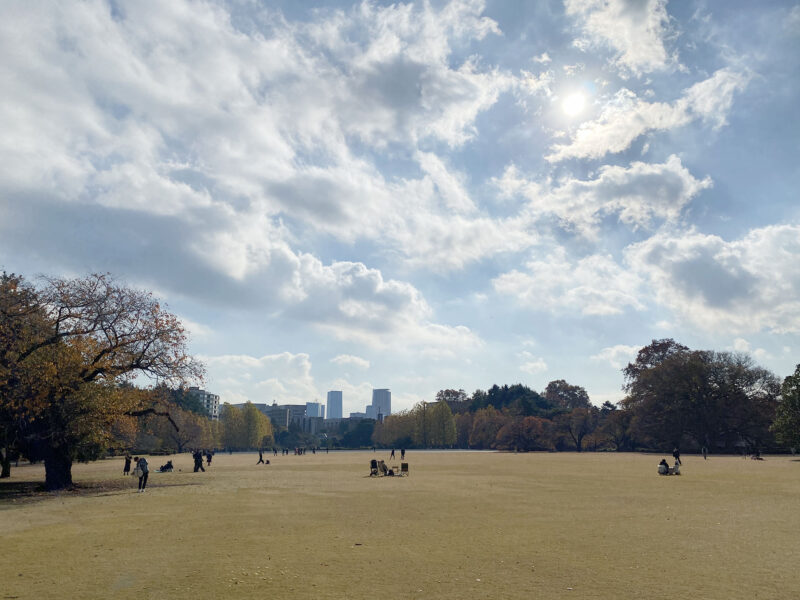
(382, 401)
(334, 405)
(315, 409)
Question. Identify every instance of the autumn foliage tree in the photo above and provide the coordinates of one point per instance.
(67, 349)
(395, 431)
(716, 399)
(257, 427)
(233, 429)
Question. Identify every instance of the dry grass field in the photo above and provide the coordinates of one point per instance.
(463, 525)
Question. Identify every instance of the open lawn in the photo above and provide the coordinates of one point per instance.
(463, 525)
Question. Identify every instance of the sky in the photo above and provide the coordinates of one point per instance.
(414, 195)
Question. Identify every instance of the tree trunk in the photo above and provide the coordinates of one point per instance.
(57, 469)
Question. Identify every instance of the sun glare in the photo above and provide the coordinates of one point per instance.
(573, 104)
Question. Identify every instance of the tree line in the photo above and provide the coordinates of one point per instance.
(674, 397)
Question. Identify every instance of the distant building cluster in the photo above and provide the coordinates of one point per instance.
(209, 401)
(311, 418)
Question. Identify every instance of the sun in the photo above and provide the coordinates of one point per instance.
(574, 104)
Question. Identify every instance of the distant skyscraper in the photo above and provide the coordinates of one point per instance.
(382, 401)
(334, 405)
(315, 409)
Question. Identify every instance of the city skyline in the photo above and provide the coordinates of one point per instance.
(342, 195)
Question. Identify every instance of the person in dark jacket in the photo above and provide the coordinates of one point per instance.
(144, 471)
(198, 461)
(126, 470)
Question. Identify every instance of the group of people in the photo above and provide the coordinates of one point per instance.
(402, 454)
(664, 468)
(142, 469)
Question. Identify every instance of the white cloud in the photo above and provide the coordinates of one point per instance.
(792, 22)
(573, 69)
(532, 364)
(626, 116)
(285, 378)
(349, 359)
(204, 149)
(635, 30)
(528, 85)
(747, 285)
(176, 110)
(617, 356)
(594, 285)
(641, 195)
(356, 303)
(742, 345)
(449, 185)
(196, 330)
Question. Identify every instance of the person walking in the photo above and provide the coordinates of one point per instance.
(198, 461)
(391, 456)
(209, 454)
(260, 457)
(402, 453)
(676, 454)
(705, 453)
(126, 470)
(143, 471)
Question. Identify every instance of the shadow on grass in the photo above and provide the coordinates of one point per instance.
(14, 493)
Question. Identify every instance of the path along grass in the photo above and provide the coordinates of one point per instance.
(463, 525)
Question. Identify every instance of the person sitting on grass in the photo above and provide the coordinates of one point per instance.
(663, 467)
